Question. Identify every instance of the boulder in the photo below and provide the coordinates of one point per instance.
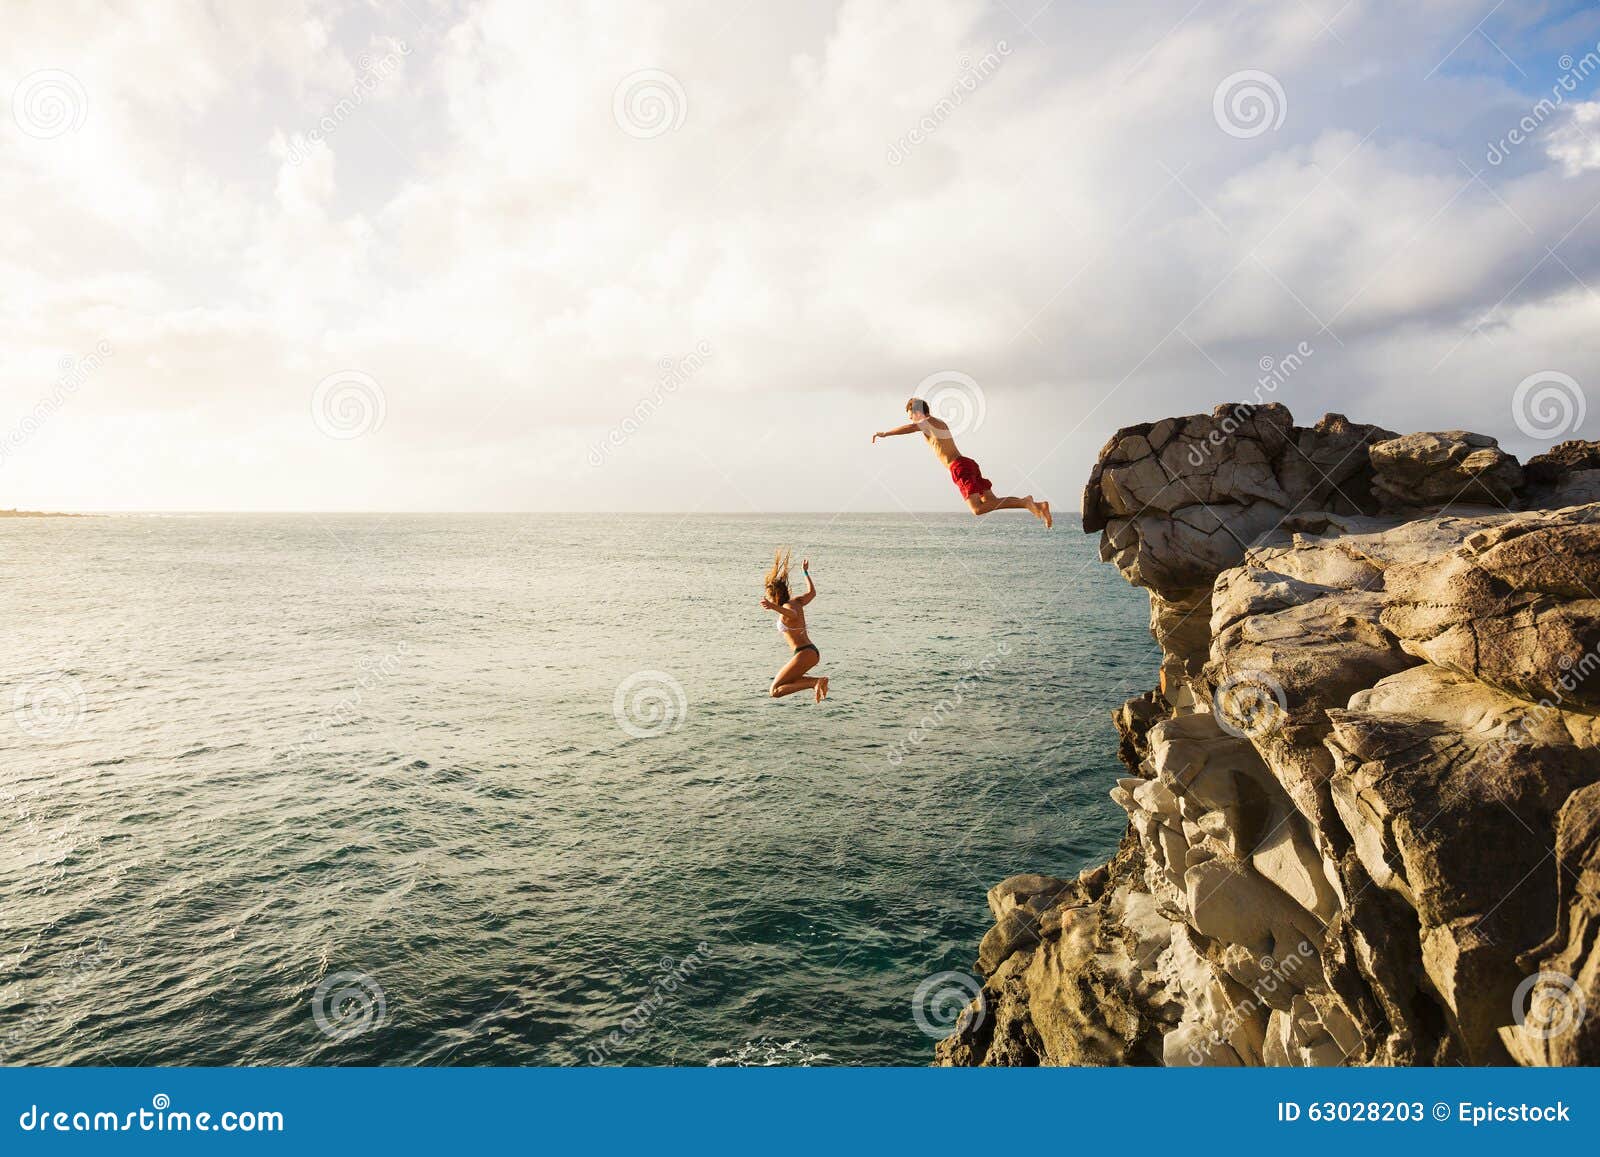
(1559, 462)
(1452, 468)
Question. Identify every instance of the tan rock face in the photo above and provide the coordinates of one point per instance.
(1363, 815)
(1557, 1003)
(1559, 462)
(1179, 500)
(1514, 606)
(1440, 778)
(1450, 468)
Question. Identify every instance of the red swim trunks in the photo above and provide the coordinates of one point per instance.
(968, 478)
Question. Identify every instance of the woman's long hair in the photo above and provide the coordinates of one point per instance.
(777, 579)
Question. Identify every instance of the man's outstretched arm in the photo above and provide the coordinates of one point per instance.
(908, 428)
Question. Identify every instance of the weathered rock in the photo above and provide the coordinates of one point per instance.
(1379, 711)
(1133, 721)
(1565, 475)
(1020, 905)
(1084, 996)
(1435, 772)
(1557, 1004)
(1559, 462)
(1514, 605)
(1453, 468)
(1181, 499)
(1579, 488)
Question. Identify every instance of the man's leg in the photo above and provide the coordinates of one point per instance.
(987, 502)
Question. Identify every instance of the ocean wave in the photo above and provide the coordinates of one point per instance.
(767, 1053)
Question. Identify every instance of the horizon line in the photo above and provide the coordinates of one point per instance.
(87, 513)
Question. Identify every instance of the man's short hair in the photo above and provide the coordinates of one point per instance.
(917, 406)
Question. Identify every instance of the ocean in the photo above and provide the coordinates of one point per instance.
(509, 790)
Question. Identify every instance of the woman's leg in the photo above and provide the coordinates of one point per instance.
(792, 677)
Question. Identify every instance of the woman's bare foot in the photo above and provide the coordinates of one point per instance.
(1044, 513)
(822, 688)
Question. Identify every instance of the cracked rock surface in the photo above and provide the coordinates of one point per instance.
(1364, 802)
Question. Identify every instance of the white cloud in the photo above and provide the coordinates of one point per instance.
(478, 234)
(1575, 140)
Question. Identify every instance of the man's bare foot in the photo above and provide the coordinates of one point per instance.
(1044, 513)
(822, 688)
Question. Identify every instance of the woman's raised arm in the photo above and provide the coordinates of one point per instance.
(811, 586)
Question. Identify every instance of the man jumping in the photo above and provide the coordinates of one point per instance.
(964, 472)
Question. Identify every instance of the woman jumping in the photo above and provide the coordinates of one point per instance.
(792, 622)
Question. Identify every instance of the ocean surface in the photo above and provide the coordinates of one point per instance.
(509, 790)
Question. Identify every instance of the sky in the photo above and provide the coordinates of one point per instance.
(421, 256)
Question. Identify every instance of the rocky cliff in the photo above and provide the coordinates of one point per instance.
(1364, 799)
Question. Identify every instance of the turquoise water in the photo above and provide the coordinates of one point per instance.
(360, 790)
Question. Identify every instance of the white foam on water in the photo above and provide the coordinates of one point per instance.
(768, 1053)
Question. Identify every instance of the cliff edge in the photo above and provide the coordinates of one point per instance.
(1364, 800)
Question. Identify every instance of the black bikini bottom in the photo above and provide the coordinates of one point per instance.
(808, 647)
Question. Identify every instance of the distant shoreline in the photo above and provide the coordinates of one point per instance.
(40, 514)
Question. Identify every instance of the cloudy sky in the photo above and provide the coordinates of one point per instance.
(689, 256)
